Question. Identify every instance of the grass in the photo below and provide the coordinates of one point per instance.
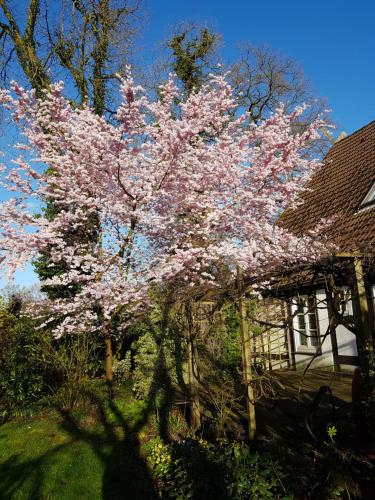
(97, 452)
(38, 459)
(65, 455)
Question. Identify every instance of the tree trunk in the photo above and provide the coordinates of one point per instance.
(108, 361)
(246, 358)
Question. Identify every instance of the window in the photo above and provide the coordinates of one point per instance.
(306, 323)
(370, 196)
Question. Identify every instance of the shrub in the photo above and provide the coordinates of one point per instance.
(122, 368)
(154, 365)
(25, 366)
(197, 469)
(33, 364)
(144, 365)
(75, 359)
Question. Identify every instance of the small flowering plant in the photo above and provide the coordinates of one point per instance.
(160, 458)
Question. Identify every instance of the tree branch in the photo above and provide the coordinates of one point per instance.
(31, 21)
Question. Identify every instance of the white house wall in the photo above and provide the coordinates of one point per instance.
(304, 354)
(346, 341)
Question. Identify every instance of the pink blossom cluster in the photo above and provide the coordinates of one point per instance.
(175, 187)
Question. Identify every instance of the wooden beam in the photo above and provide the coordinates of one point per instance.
(192, 366)
(361, 315)
(289, 331)
(348, 360)
(275, 356)
(333, 335)
(246, 357)
(335, 351)
(348, 255)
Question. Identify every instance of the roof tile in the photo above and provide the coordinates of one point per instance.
(337, 190)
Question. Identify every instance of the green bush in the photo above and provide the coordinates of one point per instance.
(144, 365)
(75, 358)
(25, 366)
(232, 352)
(122, 368)
(33, 364)
(197, 469)
(157, 357)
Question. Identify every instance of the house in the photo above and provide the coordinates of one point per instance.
(329, 307)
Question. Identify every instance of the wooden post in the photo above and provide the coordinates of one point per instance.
(279, 350)
(246, 357)
(195, 409)
(335, 351)
(361, 314)
(332, 327)
(290, 335)
(269, 347)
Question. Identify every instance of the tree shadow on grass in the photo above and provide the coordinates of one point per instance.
(116, 442)
(113, 439)
(16, 471)
(117, 445)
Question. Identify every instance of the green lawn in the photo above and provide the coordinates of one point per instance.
(59, 455)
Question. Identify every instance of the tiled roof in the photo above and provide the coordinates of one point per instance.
(338, 188)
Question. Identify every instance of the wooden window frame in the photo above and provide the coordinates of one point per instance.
(369, 199)
(311, 337)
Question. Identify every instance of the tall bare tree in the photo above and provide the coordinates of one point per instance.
(262, 79)
(84, 41)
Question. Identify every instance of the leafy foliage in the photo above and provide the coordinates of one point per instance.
(191, 55)
(155, 360)
(25, 367)
(144, 360)
(232, 353)
(122, 368)
(197, 469)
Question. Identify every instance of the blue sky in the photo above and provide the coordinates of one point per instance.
(334, 42)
